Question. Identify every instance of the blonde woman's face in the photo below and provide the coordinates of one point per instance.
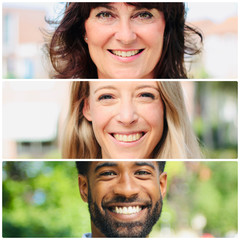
(124, 41)
(127, 117)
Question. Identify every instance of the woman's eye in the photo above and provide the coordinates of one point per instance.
(145, 15)
(104, 15)
(148, 95)
(105, 97)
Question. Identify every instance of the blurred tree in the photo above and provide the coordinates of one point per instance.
(208, 189)
(41, 199)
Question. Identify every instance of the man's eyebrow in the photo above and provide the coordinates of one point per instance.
(105, 164)
(150, 164)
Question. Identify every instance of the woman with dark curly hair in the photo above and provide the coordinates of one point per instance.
(123, 41)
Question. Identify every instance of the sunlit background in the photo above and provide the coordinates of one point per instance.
(41, 199)
(24, 35)
(34, 115)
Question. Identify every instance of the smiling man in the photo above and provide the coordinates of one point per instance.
(124, 198)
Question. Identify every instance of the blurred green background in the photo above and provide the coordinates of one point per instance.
(215, 118)
(41, 199)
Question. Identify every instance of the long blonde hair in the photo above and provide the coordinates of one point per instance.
(178, 140)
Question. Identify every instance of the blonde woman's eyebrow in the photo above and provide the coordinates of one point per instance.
(104, 88)
(147, 86)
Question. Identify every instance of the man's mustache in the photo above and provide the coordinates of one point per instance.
(123, 199)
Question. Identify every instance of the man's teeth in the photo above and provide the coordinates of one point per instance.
(125, 53)
(127, 138)
(127, 210)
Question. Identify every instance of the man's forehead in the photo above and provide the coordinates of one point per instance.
(95, 166)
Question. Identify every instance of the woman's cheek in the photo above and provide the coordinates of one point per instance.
(153, 112)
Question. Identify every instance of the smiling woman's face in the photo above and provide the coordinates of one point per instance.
(127, 117)
(125, 41)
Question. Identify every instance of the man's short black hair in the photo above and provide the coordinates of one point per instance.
(83, 166)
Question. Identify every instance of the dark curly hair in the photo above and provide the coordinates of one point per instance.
(83, 166)
(71, 59)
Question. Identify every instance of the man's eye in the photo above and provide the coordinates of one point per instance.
(105, 97)
(107, 174)
(148, 95)
(104, 15)
(143, 173)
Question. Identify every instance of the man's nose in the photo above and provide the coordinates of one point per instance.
(125, 32)
(127, 113)
(126, 186)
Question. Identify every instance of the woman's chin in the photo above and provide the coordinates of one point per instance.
(122, 74)
(125, 156)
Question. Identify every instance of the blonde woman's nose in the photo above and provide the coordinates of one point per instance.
(127, 113)
(125, 32)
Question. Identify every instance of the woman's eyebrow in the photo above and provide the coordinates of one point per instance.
(147, 86)
(141, 7)
(104, 87)
(107, 5)
(104, 164)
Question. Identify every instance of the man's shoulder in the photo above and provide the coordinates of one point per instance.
(87, 235)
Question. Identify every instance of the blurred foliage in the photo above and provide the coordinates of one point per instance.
(53, 154)
(41, 199)
(10, 76)
(208, 189)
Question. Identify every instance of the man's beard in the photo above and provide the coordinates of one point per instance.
(113, 228)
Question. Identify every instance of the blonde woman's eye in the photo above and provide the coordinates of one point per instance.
(148, 95)
(105, 97)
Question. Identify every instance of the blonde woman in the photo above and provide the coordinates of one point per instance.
(128, 120)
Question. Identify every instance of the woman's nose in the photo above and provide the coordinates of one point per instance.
(125, 32)
(127, 113)
(126, 186)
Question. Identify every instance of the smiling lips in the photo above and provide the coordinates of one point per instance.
(127, 138)
(125, 54)
(127, 210)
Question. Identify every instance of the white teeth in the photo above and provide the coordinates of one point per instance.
(127, 210)
(125, 53)
(128, 138)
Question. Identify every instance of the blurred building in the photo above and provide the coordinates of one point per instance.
(33, 118)
(219, 57)
(22, 43)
